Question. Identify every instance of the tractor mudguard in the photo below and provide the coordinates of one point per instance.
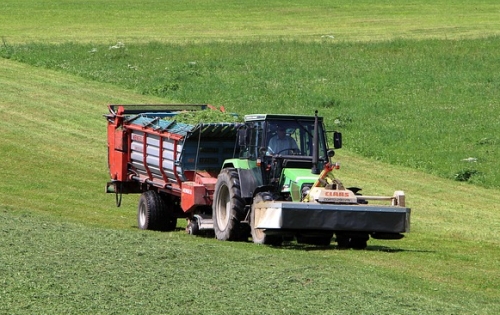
(250, 179)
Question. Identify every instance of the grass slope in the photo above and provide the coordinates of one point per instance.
(53, 139)
(67, 249)
(63, 268)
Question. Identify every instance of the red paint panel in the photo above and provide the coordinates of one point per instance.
(192, 195)
(117, 153)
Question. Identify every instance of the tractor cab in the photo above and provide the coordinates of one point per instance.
(288, 149)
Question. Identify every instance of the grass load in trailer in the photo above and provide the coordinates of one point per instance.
(270, 178)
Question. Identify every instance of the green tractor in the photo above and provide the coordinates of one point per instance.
(282, 187)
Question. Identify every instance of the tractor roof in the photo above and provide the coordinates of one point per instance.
(262, 117)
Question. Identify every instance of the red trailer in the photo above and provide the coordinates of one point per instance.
(179, 163)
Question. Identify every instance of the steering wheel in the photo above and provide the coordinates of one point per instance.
(294, 151)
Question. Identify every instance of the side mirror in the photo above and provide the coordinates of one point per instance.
(337, 140)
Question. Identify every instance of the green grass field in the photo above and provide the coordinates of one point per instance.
(109, 21)
(427, 96)
(429, 104)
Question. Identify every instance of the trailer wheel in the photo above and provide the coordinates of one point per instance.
(228, 207)
(192, 227)
(258, 235)
(149, 211)
(153, 213)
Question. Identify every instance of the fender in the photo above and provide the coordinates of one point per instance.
(250, 179)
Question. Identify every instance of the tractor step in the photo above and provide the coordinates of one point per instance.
(204, 221)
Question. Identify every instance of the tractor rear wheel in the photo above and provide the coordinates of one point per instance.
(258, 235)
(229, 207)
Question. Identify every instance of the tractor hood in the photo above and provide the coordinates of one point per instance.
(293, 179)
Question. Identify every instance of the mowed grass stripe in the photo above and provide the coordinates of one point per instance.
(452, 223)
(199, 20)
(61, 267)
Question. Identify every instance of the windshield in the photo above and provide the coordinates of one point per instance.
(293, 137)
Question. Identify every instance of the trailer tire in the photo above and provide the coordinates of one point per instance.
(229, 207)
(154, 213)
(258, 235)
(193, 227)
(150, 210)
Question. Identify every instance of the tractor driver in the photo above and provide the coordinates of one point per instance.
(282, 143)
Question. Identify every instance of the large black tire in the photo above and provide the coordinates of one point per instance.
(153, 213)
(149, 211)
(258, 235)
(229, 208)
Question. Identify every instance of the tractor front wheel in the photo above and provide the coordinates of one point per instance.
(258, 235)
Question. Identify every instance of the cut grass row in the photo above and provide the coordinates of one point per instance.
(53, 267)
(57, 267)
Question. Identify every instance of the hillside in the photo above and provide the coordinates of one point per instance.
(53, 142)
